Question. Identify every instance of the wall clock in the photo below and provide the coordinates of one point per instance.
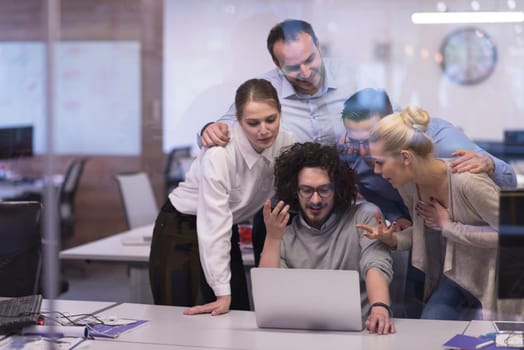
(469, 56)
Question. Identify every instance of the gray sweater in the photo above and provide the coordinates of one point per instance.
(338, 245)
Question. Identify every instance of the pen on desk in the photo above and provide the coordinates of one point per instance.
(483, 345)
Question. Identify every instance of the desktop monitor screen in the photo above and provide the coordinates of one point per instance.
(16, 142)
(511, 244)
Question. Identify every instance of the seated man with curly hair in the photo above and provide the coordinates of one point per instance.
(311, 179)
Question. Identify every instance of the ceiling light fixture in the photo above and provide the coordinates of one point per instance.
(467, 17)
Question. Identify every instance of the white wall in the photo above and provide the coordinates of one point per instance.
(97, 84)
(212, 46)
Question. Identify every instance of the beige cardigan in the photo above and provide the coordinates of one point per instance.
(470, 253)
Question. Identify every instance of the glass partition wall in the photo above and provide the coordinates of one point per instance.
(133, 79)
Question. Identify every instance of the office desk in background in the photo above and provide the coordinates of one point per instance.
(10, 190)
(131, 247)
(13, 189)
(128, 246)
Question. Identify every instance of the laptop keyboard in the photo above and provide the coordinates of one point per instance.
(16, 313)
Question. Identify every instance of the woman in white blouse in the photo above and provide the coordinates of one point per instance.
(224, 186)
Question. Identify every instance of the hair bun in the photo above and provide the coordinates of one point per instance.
(415, 117)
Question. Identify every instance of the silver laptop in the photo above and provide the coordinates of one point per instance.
(307, 299)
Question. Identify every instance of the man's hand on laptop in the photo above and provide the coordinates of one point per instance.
(215, 134)
(218, 307)
(379, 321)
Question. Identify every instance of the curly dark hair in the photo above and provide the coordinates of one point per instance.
(313, 155)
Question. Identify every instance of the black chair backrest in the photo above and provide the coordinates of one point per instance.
(174, 172)
(66, 200)
(20, 250)
(71, 179)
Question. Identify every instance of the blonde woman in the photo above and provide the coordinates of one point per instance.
(455, 220)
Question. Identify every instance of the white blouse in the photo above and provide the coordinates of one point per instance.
(226, 186)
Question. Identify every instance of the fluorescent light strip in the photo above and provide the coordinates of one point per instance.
(466, 17)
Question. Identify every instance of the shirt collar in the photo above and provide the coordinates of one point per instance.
(246, 150)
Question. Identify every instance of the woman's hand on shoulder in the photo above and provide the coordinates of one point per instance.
(381, 231)
(218, 307)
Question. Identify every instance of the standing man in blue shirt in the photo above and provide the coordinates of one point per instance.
(311, 89)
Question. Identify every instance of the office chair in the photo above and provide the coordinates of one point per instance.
(138, 199)
(174, 172)
(66, 197)
(20, 251)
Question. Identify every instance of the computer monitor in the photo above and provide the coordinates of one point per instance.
(511, 244)
(16, 142)
(514, 137)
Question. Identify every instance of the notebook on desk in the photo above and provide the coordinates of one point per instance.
(307, 299)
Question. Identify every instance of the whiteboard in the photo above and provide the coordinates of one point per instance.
(97, 103)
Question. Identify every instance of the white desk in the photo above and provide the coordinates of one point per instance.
(477, 328)
(74, 307)
(127, 246)
(15, 188)
(168, 328)
(238, 330)
(113, 249)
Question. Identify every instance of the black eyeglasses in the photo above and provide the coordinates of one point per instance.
(352, 146)
(324, 191)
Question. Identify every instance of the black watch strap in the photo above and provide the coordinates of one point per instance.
(379, 304)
